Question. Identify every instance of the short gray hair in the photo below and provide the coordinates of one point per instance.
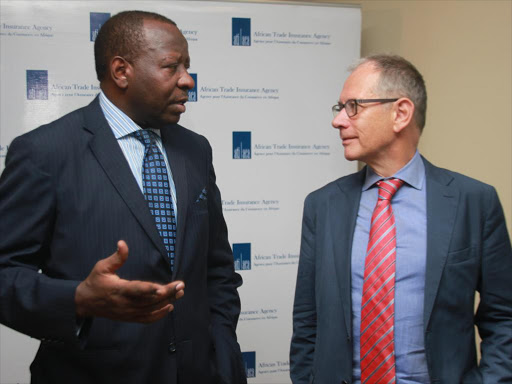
(399, 78)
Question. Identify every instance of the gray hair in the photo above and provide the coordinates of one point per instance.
(399, 78)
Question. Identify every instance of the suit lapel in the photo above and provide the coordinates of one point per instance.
(442, 202)
(343, 210)
(111, 158)
(177, 162)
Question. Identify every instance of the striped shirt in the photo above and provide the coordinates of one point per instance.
(122, 128)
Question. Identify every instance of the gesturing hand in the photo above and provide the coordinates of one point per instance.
(105, 294)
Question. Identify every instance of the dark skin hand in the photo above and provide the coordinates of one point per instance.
(104, 294)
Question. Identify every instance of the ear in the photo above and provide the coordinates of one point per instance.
(120, 71)
(403, 113)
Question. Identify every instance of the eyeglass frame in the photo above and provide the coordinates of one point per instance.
(357, 102)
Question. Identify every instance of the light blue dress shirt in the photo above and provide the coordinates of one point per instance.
(123, 127)
(410, 210)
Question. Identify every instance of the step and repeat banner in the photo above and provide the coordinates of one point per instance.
(266, 77)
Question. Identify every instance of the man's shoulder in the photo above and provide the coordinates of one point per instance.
(347, 184)
(63, 127)
(188, 139)
(52, 143)
(464, 183)
(187, 133)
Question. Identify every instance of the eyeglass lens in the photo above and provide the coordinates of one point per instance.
(350, 107)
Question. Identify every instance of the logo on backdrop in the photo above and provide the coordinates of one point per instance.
(3, 150)
(97, 20)
(249, 363)
(242, 256)
(241, 145)
(37, 84)
(192, 94)
(241, 32)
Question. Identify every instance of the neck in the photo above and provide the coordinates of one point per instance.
(392, 162)
(116, 98)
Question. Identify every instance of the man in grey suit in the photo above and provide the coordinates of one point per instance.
(121, 172)
(391, 256)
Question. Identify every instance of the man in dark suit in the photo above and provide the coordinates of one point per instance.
(121, 172)
(391, 256)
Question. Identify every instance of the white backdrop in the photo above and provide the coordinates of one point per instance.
(266, 74)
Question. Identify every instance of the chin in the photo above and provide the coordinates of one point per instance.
(169, 120)
(350, 156)
(174, 119)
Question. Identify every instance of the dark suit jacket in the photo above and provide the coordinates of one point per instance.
(468, 250)
(67, 195)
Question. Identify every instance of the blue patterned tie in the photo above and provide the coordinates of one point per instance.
(157, 192)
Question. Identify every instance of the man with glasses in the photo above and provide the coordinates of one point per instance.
(391, 256)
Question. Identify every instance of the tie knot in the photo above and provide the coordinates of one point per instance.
(387, 188)
(144, 136)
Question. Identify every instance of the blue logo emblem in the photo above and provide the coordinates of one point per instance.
(241, 145)
(242, 256)
(37, 85)
(192, 94)
(241, 32)
(249, 363)
(97, 20)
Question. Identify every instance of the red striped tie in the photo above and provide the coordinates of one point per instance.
(378, 303)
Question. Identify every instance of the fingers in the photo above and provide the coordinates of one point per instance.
(139, 301)
(153, 316)
(104, 294)
(179, 294)
(142, 294)
(174, 290)
(115, 261)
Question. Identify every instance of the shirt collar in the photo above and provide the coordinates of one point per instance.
(119, 122)
(413, 173)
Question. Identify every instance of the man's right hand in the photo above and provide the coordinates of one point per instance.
(104, 294)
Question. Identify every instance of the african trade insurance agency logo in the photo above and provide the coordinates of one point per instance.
(38, 87)
(249, 363)
(242, 35)
(37, 84)
(192, 93)
(241, 32)
(242, 256)
(97, 20)
(241, 145)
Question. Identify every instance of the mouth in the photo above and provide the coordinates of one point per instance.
(181, 104)
(347, 140)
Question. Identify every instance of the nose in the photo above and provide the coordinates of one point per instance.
(186, 81)
(341, 120)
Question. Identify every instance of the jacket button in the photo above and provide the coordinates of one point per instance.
(172, 348)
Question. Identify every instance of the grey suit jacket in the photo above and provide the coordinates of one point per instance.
(468, 250)
(67, 196)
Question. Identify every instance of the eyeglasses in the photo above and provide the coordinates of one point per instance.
(351, 105)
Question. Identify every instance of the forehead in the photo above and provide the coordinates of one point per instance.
(164, 38)
(361, 83)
